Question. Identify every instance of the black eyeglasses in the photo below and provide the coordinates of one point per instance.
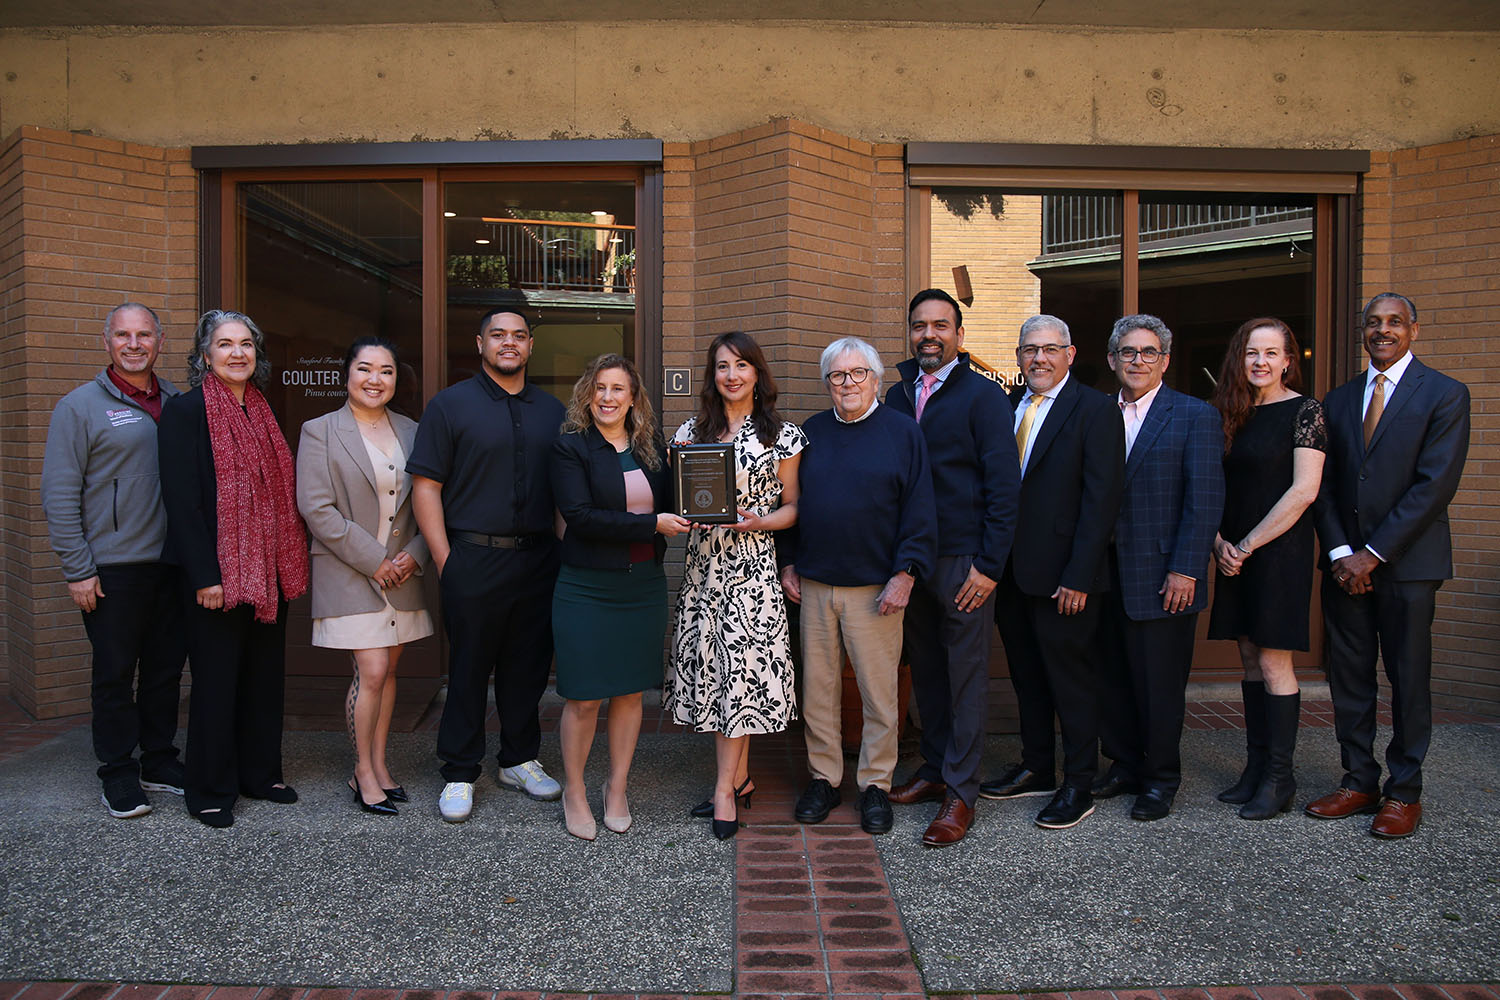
(1150, 355)
(855, 375)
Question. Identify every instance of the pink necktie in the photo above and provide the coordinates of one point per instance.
(928, 381)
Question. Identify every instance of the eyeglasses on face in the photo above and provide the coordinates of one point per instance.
(1049, 350)
(855, 375)
(1150, 355)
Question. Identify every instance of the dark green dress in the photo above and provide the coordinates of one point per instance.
(608, 625)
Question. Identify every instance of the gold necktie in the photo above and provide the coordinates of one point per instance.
(1024, 431)
(1375, 409)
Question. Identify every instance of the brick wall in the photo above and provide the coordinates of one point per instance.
(85, 223)
(789, 232)
(1431, 231)
(996, 252)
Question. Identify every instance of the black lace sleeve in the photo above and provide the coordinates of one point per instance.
(1310, 430)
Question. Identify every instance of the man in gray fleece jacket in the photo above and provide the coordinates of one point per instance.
(102, 497)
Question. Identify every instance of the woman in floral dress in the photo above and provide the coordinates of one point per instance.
(731, 667)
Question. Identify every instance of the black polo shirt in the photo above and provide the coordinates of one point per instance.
(491, 450)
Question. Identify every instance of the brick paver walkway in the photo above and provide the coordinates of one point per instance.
(814, 913)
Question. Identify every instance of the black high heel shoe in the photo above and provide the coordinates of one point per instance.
(705, 809)
(726, 828)
(397, 794)
(381, 808)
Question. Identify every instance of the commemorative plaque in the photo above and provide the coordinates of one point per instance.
(703, 480)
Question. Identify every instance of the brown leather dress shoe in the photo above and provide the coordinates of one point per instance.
(918, 790)
(1396, 819)
(1341, 804)
(950, 824)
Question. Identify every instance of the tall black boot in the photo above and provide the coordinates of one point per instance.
(1241, 791)
(1277, 787)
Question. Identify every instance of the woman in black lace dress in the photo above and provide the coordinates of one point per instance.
(1275, 439)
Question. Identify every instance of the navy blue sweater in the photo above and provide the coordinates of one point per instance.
(864, 509)
(976, 473)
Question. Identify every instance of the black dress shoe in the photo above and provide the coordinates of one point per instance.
(875, 814)
(397, 794)
(1069, 807)
(1115, 783)
(219, 819)
(1152, 804)
(1016, 782)
(284, 794)
(817, 802)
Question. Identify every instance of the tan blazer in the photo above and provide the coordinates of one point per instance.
(336, 495)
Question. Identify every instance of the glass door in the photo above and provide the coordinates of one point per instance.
(1202, 261)
(319, 257)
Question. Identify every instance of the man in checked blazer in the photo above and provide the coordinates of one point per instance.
(1159, 559)
(1398, 434)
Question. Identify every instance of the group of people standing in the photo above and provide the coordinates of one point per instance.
(1099, 521)
(1082, 524)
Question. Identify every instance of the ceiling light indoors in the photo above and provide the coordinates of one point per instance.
(482, 242)
(449, 215)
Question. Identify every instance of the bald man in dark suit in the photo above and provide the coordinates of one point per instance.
(1398, 435)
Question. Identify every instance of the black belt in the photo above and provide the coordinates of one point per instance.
(498, 541)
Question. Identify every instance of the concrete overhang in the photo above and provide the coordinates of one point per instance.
(1296, 15)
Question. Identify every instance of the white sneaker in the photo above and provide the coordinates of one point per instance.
(457, 801)
(531, 779)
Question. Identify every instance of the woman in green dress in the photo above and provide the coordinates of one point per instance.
(609, 610)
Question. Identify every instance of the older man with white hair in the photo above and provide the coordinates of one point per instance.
(866, 532)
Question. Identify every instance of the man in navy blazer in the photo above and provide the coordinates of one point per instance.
(965, 419)
(1173, 500)
(1398, 434)
(1071, 443)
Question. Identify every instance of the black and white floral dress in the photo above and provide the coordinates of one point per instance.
(731, 666)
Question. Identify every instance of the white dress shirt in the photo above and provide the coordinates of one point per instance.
(1042, 409)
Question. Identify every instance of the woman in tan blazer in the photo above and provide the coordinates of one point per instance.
(354, 493)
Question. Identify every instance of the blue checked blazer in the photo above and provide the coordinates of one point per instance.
(1174, 498)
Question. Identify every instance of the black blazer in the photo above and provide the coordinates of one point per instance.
(1070, 494)
(1394, 495)
(189, 489)
(589, 489)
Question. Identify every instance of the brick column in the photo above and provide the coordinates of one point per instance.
(1430, 230)
(85, 223)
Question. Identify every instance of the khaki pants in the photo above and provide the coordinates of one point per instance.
(836, 620)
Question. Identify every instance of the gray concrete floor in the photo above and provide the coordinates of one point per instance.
(319, 893)
(1204, 897)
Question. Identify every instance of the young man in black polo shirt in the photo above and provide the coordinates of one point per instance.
(482, 497)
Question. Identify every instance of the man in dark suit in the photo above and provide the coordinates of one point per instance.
(1072, 449)
(965, 419)
(1173, 501)
(1398, 435)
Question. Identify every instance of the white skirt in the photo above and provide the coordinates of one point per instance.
(372, 629)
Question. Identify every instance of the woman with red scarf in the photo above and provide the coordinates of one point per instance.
(232, 526)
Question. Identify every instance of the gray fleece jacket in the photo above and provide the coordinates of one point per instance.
(101, 490)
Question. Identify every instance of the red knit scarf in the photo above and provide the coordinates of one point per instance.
(261, 539)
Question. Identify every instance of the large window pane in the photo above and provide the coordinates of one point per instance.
(1207, 265)
(1025, 253)
(324, 263)
(561, 253)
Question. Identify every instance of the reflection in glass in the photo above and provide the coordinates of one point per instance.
(1208, 264)
(1030, 252)
(324, 263)
(560, 253)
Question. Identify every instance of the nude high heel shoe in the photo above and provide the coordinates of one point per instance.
(582, 827)
(615, 824)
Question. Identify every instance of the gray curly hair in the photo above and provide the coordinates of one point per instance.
(207, 324)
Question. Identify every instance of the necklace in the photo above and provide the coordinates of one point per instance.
(368, 423)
